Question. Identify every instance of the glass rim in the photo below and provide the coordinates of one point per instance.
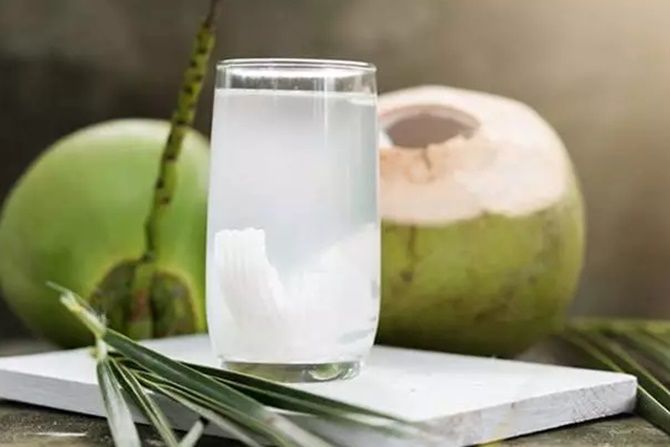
(298, 63)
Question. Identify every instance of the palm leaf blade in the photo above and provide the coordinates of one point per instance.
(144, 403)
(292, 399)
(203, 408)
(649, 347)
(273, 425)
(653, 397)
(629, 365)
(119, 417)
(652, 410)
(194, 434)
(244, 404)
(292, 396)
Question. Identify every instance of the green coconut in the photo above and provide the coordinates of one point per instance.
(76, 218)
(483, 227)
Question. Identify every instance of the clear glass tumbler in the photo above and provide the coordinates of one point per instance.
(293, 249)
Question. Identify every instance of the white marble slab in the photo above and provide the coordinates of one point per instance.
(470, 400)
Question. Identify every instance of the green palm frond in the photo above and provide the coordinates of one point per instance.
(637, 347)
(245, 406)
(145, 403)
(119, 416)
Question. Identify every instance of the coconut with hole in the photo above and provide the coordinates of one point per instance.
(483, 228)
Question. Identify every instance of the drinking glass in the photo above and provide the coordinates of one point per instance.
(293, 249)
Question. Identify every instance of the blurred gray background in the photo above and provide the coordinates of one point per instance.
(599, 71)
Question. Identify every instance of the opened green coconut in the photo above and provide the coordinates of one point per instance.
(482, 223)
(76, 218)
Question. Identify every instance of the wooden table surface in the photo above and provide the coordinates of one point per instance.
(24, 425)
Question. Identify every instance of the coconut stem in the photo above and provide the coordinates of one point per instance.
(140, 323)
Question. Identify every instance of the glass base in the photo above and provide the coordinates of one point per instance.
(297, 372)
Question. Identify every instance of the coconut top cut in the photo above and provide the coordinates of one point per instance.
(457, 154)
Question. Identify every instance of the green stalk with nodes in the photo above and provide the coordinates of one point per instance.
(141, 318)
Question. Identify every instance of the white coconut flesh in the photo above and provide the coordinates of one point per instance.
(457, 154)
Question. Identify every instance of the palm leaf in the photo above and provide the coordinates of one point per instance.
(616, 347)
(661, 336)
(608, 324)
(655, 349)
(227, 398)
(652, 410)
(144, 403)
(119, 417)
(204, 407)
(194, 434)
(629, 365)
(284, 397)
(288, 398)
(240, 408)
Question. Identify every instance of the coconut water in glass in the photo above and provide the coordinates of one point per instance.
(293, 242)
